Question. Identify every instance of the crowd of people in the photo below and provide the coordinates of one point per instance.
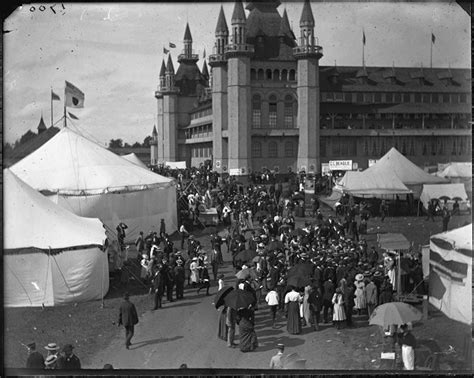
(56, 358)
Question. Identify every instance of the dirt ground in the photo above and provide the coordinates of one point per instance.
(186, 331)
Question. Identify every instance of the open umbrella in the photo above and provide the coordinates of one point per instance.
(303, 269)
(298, 281)
(275, 244)
(246, 255)
(221, 294)
(396, 313)
(238, 299)
(293, 361)
(246, 273)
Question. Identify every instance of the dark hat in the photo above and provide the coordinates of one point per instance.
(68, 347)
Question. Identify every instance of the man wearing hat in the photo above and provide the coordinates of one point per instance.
(371, 295)
(53, 349)
(180, 278)
(276, 361)
(35, 359)
(128, 317)
(69, 361)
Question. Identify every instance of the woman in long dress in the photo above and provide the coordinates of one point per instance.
(359, 300)
(292, 303)
(338, 314)
(222, 330)
(194, 278)
(248, 337)
(305, 310)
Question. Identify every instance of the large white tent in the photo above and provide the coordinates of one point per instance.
(450, 279)
(133, 158)
(92, 181)
(449, 191)
(394, 163)
(458, 172)
(51, 256)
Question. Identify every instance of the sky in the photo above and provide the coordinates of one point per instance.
(113, 53)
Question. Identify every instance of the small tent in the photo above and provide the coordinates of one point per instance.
(450, 278)
(394, 163)
(132, 158)
(448, 191)
(50, 255)
(458, 173)
(380, 184)
(91, 181)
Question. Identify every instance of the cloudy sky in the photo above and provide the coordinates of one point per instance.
(113, 53)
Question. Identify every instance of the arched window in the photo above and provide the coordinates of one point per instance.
(256, 112)
(272, 150)
(289, 112)
(260, 74)
(256, 149)
(253, 74)
(276, 75)
(284, 75)
(272, 112)
(289, 149)
(292, 76)
(268, 74)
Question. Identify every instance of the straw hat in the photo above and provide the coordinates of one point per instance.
(52, 346)
(359, 277)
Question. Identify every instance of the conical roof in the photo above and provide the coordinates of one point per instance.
(41, 126)
(73, 165)
(307, 18)
(163, 69)
(33, 221)
(205, 71)
(169, 66)
(154, 132)
(408, 172)
(285, 29)
(187, 34)
(221, 27)
(238, 14)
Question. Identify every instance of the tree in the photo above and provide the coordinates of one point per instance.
(136, 145)
(116, 143)
(147, 141)
(126, 145)
(27, 136)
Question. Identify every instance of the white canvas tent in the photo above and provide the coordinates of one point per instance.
(132, 158)
(450, 279)
(379, 184)
(92, 181)
(458, 173)
(394, 163)
(51, 256)
(450, 191)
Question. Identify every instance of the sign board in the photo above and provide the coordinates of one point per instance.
(234, 171)
(325, 171)
(355, 166)
(176, 164)
(372, 162)
(218, 163)
(340, 165)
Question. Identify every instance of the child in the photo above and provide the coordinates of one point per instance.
(272, 300)
(220, 282)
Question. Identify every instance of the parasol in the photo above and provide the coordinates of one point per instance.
(298, 281)
(394, 313)
(246, 255)
(293, 361)
(221, 294)
(246, 273)
(238, 299)
(303, 269)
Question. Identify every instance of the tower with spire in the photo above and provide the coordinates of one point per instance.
(308, 54)
(154, 146)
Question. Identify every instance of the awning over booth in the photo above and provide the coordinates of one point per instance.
(371, 184)
(448, 191)
(393, 242)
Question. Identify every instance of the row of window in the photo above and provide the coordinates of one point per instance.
(273, 75)
(379, 97)
(201, 113)
(289, 112)
(273, 149)
(198, 132)
(201, 152)
(391, 116)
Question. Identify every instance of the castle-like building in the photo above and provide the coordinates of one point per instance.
(268, 104)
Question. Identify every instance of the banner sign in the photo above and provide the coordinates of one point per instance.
(340, 165)
(372, 162)
(325, 169)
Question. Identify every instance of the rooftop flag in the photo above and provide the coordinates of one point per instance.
(363, 37)
(74, 96)
(165, 50)
(172, 45)
(55, 97)
(433, 38)
(72, 115)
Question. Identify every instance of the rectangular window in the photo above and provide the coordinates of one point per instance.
(426, 98)
(272, 115)
(406, 97)
(417, 97)
(338, 96)
(359, 97)
(378, 97)
(397, 97)
(288, 117)
(446, 97)
(257, 150)
(272, 150)
(368, 97)
(462, 98)
(256, 118)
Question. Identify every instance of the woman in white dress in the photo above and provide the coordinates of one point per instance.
(360, 302)
(338, 313)
(194, 278)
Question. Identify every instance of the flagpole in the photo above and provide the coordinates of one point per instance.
(65, 123)
(51, 106)
(431, 51)
(363, 48)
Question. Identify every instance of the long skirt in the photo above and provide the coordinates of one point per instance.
(338, 314)
(293, 324)
(408, 357)
(247, 336)
(222, 330)
(359, 299)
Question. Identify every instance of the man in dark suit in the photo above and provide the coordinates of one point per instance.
(68, 361)
(180, 277)
(158, 286)
(35, 359)
(128, 317)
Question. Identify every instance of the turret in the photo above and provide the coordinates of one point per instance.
(154, 135)
(41, 126)
(307, 41)
(222, 34)
(169, 75)
(205, 72)
(238, 45)
(187, 54)
(162, 75)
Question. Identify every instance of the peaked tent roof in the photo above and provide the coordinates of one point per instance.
(457, 170)
(394, 162)
(459, 239)
(133, 158)
(33, 221)
(73, 165)
(371, 183)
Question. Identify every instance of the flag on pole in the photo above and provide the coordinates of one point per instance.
(72, 115)
(172, 45)
(74, 96)
(433, 38)
(165, 50)
(363, 37)
(55, 97)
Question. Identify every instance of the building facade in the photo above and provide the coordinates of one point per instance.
(268, 104)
